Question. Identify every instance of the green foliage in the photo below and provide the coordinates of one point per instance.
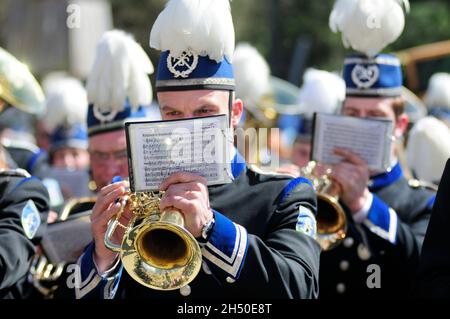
(275, 36)
(428, 21)
(3, 6)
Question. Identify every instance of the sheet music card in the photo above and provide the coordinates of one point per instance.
(371, 139)
(157, 149)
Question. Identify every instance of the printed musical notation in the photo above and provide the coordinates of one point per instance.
(159, 149)
(371, 139)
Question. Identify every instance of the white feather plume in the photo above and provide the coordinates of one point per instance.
(251, 73)
(368, 26)
(438, 91)
(203, 26)
(66, 101)
(428, 148)
(120, 71)
(321, 91)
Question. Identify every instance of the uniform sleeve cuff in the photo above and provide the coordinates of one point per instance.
(361, 215)
(382, 220)
(226, 248)
(109, 272)
(89, 283)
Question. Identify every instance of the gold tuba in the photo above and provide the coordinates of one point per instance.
(18, 86)
(331, 219)
(156, 250)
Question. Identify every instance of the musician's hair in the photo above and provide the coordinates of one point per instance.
(398, 105)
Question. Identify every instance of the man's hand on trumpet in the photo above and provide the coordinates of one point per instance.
(188, 193)
(184, 191)
(105, 208)
(352, 174)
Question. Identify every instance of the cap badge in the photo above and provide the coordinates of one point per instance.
(364, 77)
(104, 117)
(183, 65)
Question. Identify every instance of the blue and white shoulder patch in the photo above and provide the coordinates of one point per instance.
(30, 219)
(306, 222)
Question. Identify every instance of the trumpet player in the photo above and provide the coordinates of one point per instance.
(388, 215)
(257, 233)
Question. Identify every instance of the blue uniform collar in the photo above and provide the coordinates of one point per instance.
(237, 164)
(386, 179)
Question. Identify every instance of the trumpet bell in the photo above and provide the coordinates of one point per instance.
(161, 255)
(331, 218)
(331, 221)
(175, 252)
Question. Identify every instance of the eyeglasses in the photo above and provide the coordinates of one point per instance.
(119, 156)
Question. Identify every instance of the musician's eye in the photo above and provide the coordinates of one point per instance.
(377, 114)
(173, 113)
(350, 112)
(206, 110)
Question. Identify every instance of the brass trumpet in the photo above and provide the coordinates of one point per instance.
(156, 250)
(331, 219)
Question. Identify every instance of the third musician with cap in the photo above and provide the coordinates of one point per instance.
(118, 88)
(387, 217)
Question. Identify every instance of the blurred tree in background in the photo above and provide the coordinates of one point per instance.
(3, 6)
(291, 34)
(276, 26)
(137, 17)
(427, 22)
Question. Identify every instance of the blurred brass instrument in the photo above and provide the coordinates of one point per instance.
(156, 250)
(45, 274)
(282, 99)
(331, 219)
(18, 86)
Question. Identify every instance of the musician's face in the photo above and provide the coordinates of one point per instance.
(3, 164)
(301, 152)
(368, 107)
(71, 158)
(108, 152)
(198, 103)
(375, 108)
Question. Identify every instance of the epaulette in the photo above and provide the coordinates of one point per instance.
(17, 172)
(415, 183)
(8, 143)
(258, 170)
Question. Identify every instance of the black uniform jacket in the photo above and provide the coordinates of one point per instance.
(434, 270)
(262, 245)
(26, 156)
(380, 255)
(23, 217)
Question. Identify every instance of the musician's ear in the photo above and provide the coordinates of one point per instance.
(236, 112)
(401, 125)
